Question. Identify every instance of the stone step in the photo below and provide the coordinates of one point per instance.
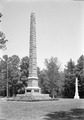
(31, 97)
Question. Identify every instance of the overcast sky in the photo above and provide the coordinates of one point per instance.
(59, 28)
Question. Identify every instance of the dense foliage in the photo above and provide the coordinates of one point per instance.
(50, 78)
(69, 80)
(80, 74)
(52, 81)
(2, 77)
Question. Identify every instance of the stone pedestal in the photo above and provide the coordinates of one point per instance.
(76, 96)
(32, 86)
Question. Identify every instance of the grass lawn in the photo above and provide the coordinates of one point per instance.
(63, 109)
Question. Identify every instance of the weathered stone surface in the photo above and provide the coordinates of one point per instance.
(32, 50)
(33, 78)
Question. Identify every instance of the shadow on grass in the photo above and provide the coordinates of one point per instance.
(73, 114)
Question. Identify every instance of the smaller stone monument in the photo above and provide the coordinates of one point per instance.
(76, 90)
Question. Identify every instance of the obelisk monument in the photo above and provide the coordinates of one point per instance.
(32, 91)
(33, 78)
(76, 90)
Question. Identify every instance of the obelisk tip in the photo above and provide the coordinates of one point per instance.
(32, 13)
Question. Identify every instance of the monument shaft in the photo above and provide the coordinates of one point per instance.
(32, 50)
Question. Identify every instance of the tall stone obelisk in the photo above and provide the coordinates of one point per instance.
(32, 91)
(32, 79)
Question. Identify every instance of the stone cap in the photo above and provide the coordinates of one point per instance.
(32, 77)
(32, 87)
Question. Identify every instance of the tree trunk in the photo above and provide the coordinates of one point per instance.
(53, 96)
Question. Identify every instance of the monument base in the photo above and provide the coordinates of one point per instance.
(32, 90)
(31, 97)
(76, 97)
(32, 94)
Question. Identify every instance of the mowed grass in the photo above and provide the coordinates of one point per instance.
(62, 109)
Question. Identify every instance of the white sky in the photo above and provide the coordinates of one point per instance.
(59, 28)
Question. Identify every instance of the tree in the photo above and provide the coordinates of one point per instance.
(2, 38)
(50, 77)
(3, 74)
(0, 16)
(69, 82)
(24, 70)
(2, 47)
(9, 70)
(24, 65)
(2, 41)
(61, 84)
(43, 81)
(13, 73)
(80, 75)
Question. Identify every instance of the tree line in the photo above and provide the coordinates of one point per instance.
(52, 81)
